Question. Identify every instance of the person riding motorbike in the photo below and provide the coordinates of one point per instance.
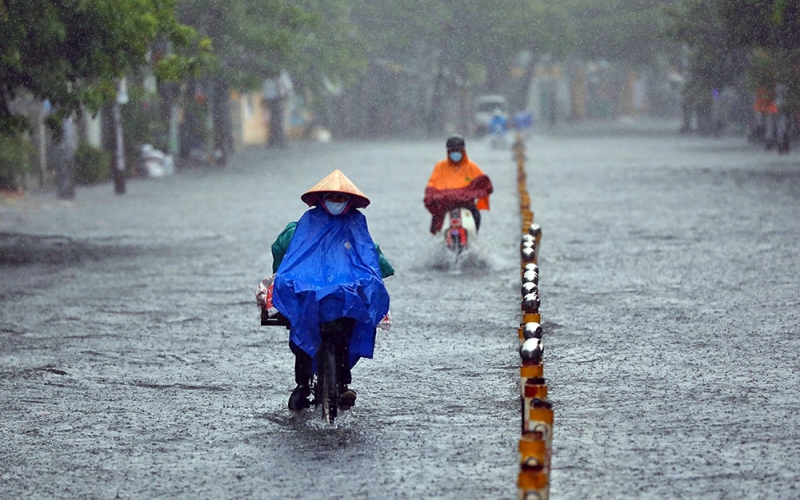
(498, 124)
(498, 128)
(329, 281)
(456, 182)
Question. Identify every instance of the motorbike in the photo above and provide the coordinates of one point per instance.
(498, 131)
(498, 138)
(459, 225)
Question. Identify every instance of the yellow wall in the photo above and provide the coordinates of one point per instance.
(249, 119)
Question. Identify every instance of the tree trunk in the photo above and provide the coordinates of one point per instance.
(277, 133)
(65, 163)
(435, 119)
(119, 152)
(192, 134)
(519, 100)
(496, 80)
(221, 115)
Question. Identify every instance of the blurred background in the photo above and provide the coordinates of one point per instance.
(101, 90)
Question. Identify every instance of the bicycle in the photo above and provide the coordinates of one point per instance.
(325, 385)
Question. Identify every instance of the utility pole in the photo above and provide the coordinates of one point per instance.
(119, 152)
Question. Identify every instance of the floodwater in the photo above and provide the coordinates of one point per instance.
(132, 363)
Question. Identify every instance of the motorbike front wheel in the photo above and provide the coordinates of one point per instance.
(456, 241)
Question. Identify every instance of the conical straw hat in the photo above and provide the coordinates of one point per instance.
(335, 182)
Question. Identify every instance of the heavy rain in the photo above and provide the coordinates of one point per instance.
(152, 155)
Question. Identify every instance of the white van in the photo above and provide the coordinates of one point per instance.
(484, 110)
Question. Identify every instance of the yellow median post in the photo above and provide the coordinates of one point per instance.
(533, 483)
(535, 444)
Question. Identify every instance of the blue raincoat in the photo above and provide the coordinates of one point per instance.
(330, 271)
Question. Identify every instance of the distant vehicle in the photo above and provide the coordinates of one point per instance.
(485, 107)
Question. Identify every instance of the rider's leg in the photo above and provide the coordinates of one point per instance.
(437, 219)
(476, 214)
(302, 365)
(302, 376)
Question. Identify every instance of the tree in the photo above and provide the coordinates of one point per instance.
(770, 24)
(71, 52)
(453, 46)
(256, 39)
(771, 30)
(731, 38)
(714, 60)
(629, 31)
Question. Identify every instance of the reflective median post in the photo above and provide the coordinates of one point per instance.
(533, 483)
(535, 230)
(535, 442)
(530, 308)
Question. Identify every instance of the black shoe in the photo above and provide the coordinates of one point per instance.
(347, 398)
(299, 398)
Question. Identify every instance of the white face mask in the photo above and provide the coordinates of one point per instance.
(455, 156)
(334, 208)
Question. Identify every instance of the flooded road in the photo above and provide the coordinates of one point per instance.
(135, 366)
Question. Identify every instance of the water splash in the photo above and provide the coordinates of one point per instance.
(474, 259)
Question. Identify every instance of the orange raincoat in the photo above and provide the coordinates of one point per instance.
(765, 102)
(456, 185)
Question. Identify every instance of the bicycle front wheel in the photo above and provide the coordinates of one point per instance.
(327, 383)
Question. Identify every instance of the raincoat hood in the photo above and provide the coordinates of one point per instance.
(335, 182)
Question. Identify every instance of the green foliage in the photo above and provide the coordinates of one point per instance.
(770, 67)
(773, 24)
(92, 165)
(142, 123)
(730, 38)
(331, 49)
(196, 132)
(713, 60)
(628, 31)
(463, 36)
(175, 67)
(256, 39)
(763, 70)
(72, 52)
(14, 160)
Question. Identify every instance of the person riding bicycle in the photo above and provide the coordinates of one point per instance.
(329, 280)
(456, 182)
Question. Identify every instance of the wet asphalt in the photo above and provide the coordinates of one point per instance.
(132, 364)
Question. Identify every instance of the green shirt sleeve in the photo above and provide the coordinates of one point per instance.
(281, 245)
(386, 268)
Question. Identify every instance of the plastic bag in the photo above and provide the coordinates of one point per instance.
(264, 296)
